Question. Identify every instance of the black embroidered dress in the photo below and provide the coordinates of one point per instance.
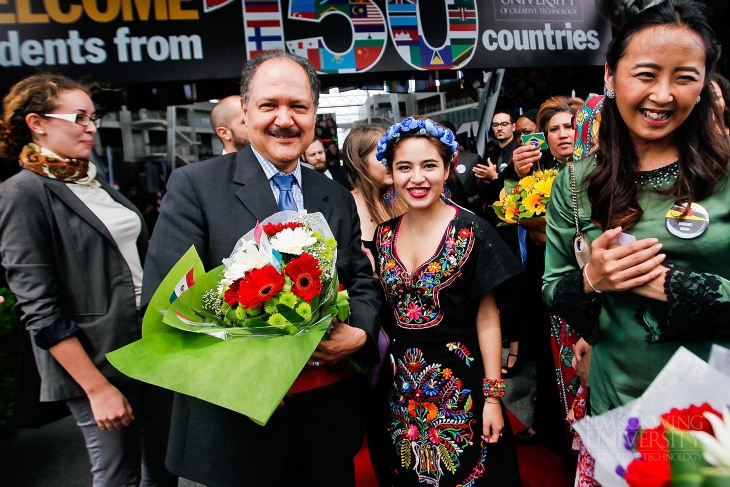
(436, 398)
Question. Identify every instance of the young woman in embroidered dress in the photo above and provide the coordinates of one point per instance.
(439, 265)
(659, 176)
(73, 248)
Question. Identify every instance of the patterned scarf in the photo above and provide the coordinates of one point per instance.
(67, 170)
(587, 121)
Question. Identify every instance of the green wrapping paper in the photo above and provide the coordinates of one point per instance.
(249, 376)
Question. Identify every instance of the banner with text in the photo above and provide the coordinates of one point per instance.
(128, 41)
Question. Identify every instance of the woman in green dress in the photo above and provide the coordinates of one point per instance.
(655, 202)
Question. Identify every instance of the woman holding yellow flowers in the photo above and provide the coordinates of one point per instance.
(537, 170)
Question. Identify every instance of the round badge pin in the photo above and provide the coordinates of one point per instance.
(461, 169)
(686, 222)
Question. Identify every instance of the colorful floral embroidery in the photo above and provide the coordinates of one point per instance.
(478, 470)
(459, 349)
(431, 418)
(414, 297)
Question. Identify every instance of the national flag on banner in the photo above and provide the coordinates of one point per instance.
(311, 49)
(366, 14)
(462, 19)
(262, 26)
(253, 6)
(338, 63)
(407, 7)
(367, 53)
(406, 37)
(183, 285)
(210, 5)
(303, 9)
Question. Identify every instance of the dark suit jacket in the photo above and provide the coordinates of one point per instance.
(211, 204)
(62, 262)
(489, 193)
(468, 179)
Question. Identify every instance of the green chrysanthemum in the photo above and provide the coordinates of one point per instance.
(257, 311)
(304, 310)
(318, 236)
(330, 243)
(277, 320)
(288, 299)
(240, 313)
(270, 306)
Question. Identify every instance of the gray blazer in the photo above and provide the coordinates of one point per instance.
(62, 262)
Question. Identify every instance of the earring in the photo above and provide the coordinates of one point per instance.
(41, 132)
(610, 94)
(389, 196)
(445, 193)
(697, 102)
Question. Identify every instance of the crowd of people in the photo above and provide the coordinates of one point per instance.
(419, 251)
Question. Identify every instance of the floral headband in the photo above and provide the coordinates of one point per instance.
(423, 126)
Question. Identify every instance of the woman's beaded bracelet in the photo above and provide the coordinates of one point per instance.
(494, 388)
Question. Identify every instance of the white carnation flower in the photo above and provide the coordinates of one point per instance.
(293, 240)
(246, 258)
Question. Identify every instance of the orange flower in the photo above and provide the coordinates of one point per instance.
(434, 267)
(431, 411)
(389, 265)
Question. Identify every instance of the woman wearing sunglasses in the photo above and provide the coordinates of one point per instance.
(73, 250)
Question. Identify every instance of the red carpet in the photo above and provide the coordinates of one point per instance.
(539, 467)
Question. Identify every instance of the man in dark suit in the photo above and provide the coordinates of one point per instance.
(313, 438)
(464, 173)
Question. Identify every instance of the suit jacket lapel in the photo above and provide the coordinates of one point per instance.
(315, 196)
(72, 201)
(255, 192)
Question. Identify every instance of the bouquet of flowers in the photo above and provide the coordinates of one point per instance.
(279, 280)
(526, 202)
(239, 335)
(676, 434)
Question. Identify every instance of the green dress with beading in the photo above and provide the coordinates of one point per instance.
(634, 337)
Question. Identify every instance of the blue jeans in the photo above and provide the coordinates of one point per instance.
(132, 456)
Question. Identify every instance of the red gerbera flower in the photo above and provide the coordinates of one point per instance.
(255, 288)
(304, 274)
(691, 418)
(272, 229)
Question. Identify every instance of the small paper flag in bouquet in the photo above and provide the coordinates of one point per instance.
(526, 202)
(676, 434)
(239, 335)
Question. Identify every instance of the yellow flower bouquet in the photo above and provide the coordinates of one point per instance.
(525, 203)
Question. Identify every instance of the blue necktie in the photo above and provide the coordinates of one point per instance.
(286, 198)
(522, 238)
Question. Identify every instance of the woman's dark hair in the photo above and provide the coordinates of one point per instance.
(703, 150)
(35, 94)
(724, 85)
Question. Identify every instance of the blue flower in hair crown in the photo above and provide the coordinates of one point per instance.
(422, 126)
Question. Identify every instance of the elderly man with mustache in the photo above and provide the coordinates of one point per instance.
(313, 438)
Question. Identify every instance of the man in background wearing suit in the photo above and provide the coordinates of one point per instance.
(315, 158)
(226, 118)
(313, 438)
